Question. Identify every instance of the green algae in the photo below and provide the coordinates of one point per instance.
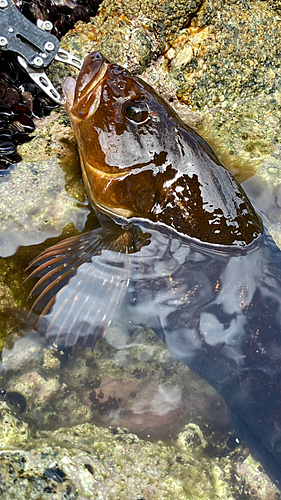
(12, 299)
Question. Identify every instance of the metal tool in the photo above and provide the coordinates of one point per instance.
(34, 45)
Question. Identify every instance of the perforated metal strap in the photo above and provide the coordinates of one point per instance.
(19, 35)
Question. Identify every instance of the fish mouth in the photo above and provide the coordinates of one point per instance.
(98, 72)
(85, 98)
(121, 213)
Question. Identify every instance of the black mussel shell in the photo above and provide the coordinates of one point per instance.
(3, 87)
(5, 111)
(43, 105)
(6, 161)
(62, 13)
(12, 95)
(3, 122)
(6, 133)
(21, 109)
(7, 71)
(65, 5)
(80, 13)
(63, 25)
(31, 11)
(28, 87)
(6, 147)
(91, 4)
(21, 126)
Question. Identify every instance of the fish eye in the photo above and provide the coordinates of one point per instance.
(136, 110)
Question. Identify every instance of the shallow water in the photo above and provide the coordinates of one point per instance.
(132, 380)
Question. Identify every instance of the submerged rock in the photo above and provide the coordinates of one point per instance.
(132, 385)
(38, 197)
(192, 51)
(137, 384)
(35, 206)
(41, 198)
(88, 462)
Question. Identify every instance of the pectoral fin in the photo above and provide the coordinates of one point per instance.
(82, 280)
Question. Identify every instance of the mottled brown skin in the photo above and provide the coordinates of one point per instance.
(157, 168)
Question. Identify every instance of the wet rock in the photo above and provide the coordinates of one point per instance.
(35, 206)
(19, 99)
(255, 480)
(219, 58)
(25, 354)
(130, 382)
(140, 28)
(229, 50)
(13, 430)
(145, 389)
(22, 478)
(90, 462)
(139, 385)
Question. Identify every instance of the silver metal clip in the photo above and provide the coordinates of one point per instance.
(65, 57)
(35, 46)
(40, 78)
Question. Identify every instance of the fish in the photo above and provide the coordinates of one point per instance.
(180, 248)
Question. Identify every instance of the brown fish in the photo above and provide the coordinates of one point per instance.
(139, 162)
(139, 159)
(180, 248)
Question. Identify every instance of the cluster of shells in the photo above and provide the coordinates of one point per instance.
(20, 99)
(63, 14)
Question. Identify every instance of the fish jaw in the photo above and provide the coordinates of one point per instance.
(91, 177)
(83, 98)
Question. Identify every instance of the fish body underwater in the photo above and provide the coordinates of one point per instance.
(180, 249)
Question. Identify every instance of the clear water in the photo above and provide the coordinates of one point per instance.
(217, 311)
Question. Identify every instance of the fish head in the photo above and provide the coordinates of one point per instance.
(139, 159)
(123, 137)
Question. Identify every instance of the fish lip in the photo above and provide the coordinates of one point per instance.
(113, 213)
(92, 72)
(86, 100)
(99, 76)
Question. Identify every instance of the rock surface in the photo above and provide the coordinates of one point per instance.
(221, 58)
(61, 448)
